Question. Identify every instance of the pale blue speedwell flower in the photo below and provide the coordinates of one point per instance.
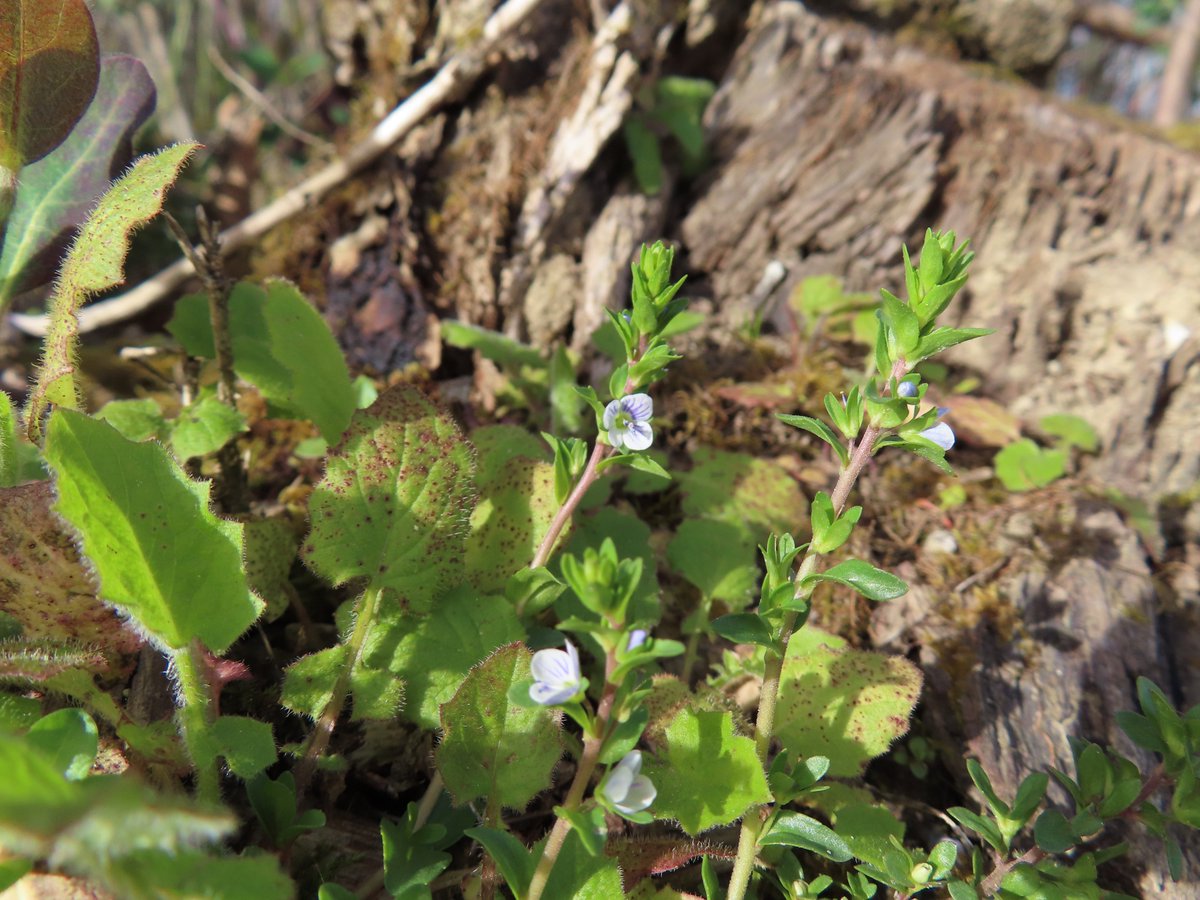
(556, 676)
(637, 637)
(627, 790)
(907, 390)
(941, 433)
(627, 421)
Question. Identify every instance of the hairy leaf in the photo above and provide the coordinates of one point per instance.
(757, 494)
(719, 558)
(702, 741)
(159, 552)
(846, 704)
(95, 263)
(44, 584)
(437, 651)
(392, 508)
(491, 748)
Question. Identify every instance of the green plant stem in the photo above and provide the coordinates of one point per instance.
(196, 715)
(689, 656)
(8, 195)
(764, 726)
(563, 516)
(583, 775)
(991, 884)
(323, 731)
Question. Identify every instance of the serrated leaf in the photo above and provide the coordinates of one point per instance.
(409, 865)
(718, 558)
(158, 551)
(138, 420)
(95, 263)
(69, 739)
(758, 494)
(44, 584)
(49, 64)
(282, 346)
(517, 502)
(491, 748)
(270, 549)
(56, 193)
(702, 741)
(393, 504)
(872, 583)
(846, 704)
(793, 829)
(437, 651)
(205, 427)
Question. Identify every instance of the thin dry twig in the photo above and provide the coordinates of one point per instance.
(458, 73)
(262, 102)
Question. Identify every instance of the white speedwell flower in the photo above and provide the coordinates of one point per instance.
(941, 433)
(556, 676)
(625, 788)
(627, 421)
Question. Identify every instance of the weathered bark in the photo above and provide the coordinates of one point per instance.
(832, 145)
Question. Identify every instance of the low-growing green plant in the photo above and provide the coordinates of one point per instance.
(672, 107)
(487, 592)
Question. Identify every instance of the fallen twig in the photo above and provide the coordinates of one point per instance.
(462, 69)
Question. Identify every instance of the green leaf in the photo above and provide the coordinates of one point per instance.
(1023, 465)
(68, 737)
(940, 339)
(282, 346)
(1141, 730)
(12, 871)
(644, 150)
(846, 704)
(248, 745)
(393, 505)
(159, 552)
(871, 830)
(517, 502)
(1071, 431)
(984, 783)
(702, 741)
(1053, 832)
(923, 448)
(274, 802)
(872, 583)
(1029, 794)
(438, 650)
(491, 748)
(138, 420)
(49, 65)
(270, 551)
(332, 891)
(819, 429)
(205, 427)
(631, 537)
(757, 494)
(512, 858)
(56, 193)
(581, 876)
(491, 344)
(985, 828)
(744, 628)
(95, 263)
(8, 442)
(792, 829)
(409, 862)
(718, 558)
(903, 322)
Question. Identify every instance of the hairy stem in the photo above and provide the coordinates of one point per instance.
(764, 726)
(583, 775)
(323, 732)
(563, 516)
(196, 715)
(991, 884)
